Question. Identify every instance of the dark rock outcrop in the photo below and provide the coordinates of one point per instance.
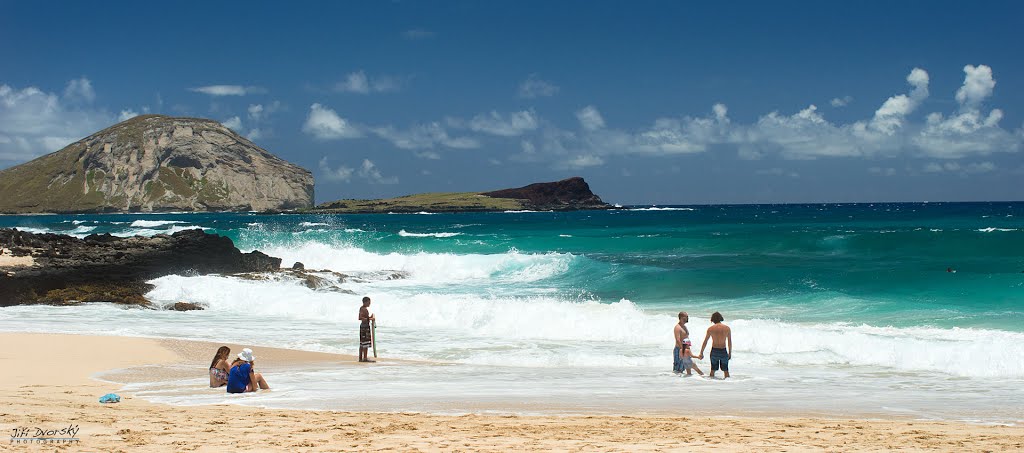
(186, 306)
(157, 163)
(104, 268)
(568, 194)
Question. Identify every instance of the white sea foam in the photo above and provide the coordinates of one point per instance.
(548, 331)
(992, 229)
(427, 268)
(154, 232)
(33, 230)
(426, 235)
(311, 224)
(419, 213)
(153, 223)
(521, 211)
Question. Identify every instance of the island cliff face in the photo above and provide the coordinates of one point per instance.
(571, 194)
(157, 163)
(568, 194)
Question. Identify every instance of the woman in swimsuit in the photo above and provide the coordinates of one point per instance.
(219, 368)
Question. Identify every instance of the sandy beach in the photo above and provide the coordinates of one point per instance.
(47, 382)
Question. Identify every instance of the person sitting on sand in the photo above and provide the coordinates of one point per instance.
(686, 360)
(721, 335)
(219, 367)
(365, 340)
(682, 335)
(243, 377)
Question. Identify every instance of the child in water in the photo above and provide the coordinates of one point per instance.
(686, 360)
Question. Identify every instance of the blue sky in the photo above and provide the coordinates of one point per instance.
(651, 102)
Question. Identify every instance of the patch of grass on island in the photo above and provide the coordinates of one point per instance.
(428, 202)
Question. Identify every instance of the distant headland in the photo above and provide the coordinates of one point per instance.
(570, 194)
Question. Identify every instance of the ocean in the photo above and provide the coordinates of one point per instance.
(911, 310)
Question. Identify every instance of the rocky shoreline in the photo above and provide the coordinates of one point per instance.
(59, 269)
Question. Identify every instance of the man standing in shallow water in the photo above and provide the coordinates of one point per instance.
(721, 335)
(365, 317)
(682, 334)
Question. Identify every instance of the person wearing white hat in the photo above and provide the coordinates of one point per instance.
(243, 376)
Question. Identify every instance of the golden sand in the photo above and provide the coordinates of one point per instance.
(45, 382)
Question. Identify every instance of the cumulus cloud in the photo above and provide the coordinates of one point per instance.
(367, 171)
(234, 123)
(890, 116)
(34, 122)
(424, 136)
(325, 124)
(341, 173)
(80, 90)
(228, 90)
(358, 82)
(978, 85)
(534, 87)
(891, 131)
(126, 115)
(841, 102)
(511, 125)
(370, 172)
(590, 118)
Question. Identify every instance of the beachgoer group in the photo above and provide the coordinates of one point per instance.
(721, 346)
(240, 376)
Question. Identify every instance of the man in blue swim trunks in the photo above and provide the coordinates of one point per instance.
(721, 336)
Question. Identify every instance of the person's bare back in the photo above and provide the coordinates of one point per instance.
(721, 344)
(720, 333)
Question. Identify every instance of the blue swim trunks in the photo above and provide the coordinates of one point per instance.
(677, 363)
(719, 358)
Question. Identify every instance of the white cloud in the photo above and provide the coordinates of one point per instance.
(370, 172)
(126, 115)
(890, 116)
(424, 136)
(806, 134)
(511, 125)
(234, 123)
(841, 102)
(342, 173)
(418, 34)
(80, 90)
(358, 82)
(590, 118)
(534, 87)
(978, 85)
(582, 161)
(882, 171)
(228, 90)
(34, 122)
(325, 124)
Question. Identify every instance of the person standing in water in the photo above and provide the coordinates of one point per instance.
(721, 335)
(365, 340)
(682, 336)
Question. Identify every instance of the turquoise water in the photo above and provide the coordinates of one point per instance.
(836, 309)
(880, 264)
